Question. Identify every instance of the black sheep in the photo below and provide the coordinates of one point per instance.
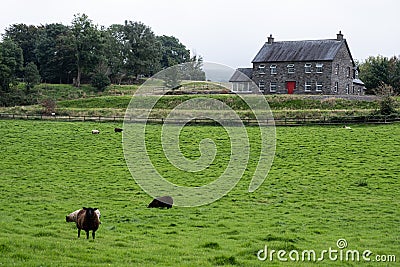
(87, 220)
(117, 130)
(162, 202)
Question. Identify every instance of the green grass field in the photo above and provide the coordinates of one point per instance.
(326, 183)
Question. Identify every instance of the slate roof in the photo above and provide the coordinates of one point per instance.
(242, 75)
(358, 81)
(314, 50)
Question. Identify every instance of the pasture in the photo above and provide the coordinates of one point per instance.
(326, 183)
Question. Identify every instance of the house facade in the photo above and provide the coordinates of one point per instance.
(301, 67)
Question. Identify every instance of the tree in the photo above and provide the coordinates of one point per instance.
(387, 102)
(172, 77)
(32, 76)
(55, 53)
(141, 48)
(88, 45)
(25, 36)
(11, 61)
(173, 51)
(115, 52)
(193, 69)
(10, 64)
(377, 70)
(100, 79)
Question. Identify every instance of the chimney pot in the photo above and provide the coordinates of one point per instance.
(339, 36)
(270, 39)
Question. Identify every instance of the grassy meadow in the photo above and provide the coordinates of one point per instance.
(326, 183)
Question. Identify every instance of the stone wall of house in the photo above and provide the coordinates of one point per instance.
(342, 74)
(339, 71)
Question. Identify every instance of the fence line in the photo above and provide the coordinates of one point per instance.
(286, 121)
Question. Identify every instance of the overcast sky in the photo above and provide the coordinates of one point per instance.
(232, 32)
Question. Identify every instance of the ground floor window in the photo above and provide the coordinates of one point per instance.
(261, 86)
(318, 86)
(272, 87)
(307, 86)
(241, 87)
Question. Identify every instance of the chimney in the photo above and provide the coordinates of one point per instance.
(270, 39)
(339, 36)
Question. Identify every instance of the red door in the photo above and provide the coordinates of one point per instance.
(290, 86)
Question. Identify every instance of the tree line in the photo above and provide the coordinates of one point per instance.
(380, 72)
(84, 52)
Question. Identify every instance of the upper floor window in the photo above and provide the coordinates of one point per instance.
(261, 69)
(307, 68)
(348, 72)
(319, 67)
(337, 69)
(290, 68)
(273, 69)
(307, 86)
(272, 87)
(261, 85)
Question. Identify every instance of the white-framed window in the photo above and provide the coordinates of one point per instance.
(336, 88)
(307, 86)
(347, 89)
(272, 87)
(261, 69)
(261, 86)
(234, 87)
(307, 68)
(241, 87)
(319, 67)
(273, 69)
(337, 69)
(290, 68)
(318, 86)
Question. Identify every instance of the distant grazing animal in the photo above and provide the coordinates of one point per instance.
(117, 130)
(162, 202)
(87, 220)
(74, 215)
(347, 127)
(95, 131)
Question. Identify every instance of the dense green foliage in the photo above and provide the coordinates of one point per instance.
(11, 60)
(75, 53)
(375, 71)
(326, 183)
(100, 81)
(32, 76)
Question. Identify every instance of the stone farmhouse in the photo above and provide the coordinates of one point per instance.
(301, 67)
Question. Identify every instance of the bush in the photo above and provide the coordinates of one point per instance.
(100, 81)
(387, 105)
(49, 106)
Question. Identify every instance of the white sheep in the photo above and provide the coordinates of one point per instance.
(72, 217)
(95, 131)
(347, 127)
